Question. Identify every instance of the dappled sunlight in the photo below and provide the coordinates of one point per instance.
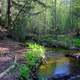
(47, 68)
(62, 60)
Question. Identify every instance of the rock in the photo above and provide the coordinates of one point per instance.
(74, 48)
(69, 55)
(75, 56)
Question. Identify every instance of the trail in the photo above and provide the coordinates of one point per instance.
(9, 49)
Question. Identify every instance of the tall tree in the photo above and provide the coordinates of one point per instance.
(0, 10)
(0, 7)
(54, 16)
(9, 13)
(55, 13)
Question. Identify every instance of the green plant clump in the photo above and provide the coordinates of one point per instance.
(24, 72)
(34, 53)
(76, 42)
(33, 56)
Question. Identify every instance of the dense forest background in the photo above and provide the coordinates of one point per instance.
(39, 39)
(48, 22)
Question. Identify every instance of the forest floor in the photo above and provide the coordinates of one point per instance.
(9, 49)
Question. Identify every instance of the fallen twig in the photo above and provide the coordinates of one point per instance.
(9, 69)
(6, 71)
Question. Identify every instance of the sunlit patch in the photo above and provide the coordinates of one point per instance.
(47, 68)
(62, 60)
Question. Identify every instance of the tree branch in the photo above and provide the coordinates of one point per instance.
(41, 3)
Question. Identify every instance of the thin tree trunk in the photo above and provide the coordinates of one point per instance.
(55, 19)
(55, 13)
(0, 11)
(0, 7)
(54, 27)
(71, 5)
(9, 13)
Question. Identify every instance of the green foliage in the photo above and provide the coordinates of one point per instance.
(34, 53)
(37, 49)
(32, 56)
(57, 41)
(24, 72)
(76, 42)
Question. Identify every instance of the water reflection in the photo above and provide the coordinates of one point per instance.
(61, 68)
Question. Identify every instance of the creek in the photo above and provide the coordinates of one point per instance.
(60, 67)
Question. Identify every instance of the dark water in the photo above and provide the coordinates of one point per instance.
(59, 67)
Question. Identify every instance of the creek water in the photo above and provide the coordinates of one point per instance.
(59, 67)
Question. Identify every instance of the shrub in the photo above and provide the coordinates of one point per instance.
(76, 42)
(24, 72)
(34, 53)
(58, 41)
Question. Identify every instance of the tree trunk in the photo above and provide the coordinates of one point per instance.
(0, 10)
(9, 13)
(0, 7)
(55, 14)
(54, 27)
